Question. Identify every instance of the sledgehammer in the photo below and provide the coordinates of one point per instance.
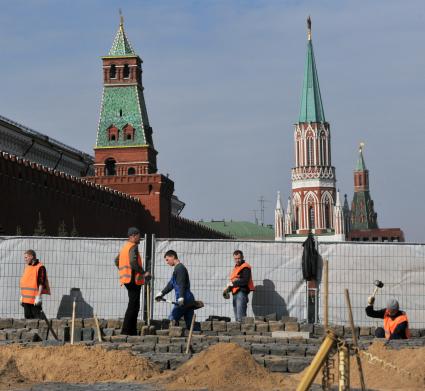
(378, 284)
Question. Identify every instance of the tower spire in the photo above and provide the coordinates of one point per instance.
(121, 46)
(309, 28)
(311, 99)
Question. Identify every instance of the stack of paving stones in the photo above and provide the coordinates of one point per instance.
(165, 343)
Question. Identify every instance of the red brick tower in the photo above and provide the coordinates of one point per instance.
(125, 157)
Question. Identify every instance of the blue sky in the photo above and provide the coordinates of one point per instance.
(222, 86)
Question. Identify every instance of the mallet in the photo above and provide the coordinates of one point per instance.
(378, 284)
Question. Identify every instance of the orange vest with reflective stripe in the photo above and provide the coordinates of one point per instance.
(391, 324)
(29, 284)
(235, 275)
(125, 268)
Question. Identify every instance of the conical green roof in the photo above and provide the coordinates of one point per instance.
(121, 45)
(360, 166)
(311, 100)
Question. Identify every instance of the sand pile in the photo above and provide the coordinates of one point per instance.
(223, 367)
(385, 369)
(72, 364)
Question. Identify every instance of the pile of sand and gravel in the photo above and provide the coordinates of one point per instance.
(70, 364)
(224, 366)
(385, 369)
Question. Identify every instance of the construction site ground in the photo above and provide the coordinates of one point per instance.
(224, 355)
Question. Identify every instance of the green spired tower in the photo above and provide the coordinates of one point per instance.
(124, 144)
(363, 215)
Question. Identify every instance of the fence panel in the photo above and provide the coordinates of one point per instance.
(401, 267)
(276, 272)
(77, 267)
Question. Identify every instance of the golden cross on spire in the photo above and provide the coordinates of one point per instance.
(309, 28)
(121, 18)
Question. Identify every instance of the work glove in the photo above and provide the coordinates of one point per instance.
(226, 293)
(371, 300)
(158, 296)
(180, 302)
(147, 276)
(37, 300)
(20, 300)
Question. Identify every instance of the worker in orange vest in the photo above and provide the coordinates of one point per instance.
(240, 285)
(132, 276)
(396, 324)
(33, 284)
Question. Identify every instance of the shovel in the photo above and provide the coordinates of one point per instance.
(196, 305)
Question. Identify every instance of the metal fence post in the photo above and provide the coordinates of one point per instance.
(152, 282)
(143, 303)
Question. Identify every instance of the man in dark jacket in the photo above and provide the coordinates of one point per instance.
(180, 282)
(396, 324)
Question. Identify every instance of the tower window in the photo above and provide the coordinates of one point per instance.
(126, 72)
(297, 213)
(113, 72)
(309, 151)
(120, 112)
(131, 171)
(327, 215)
(110, 169)
(112, 133)
(128, 132)
(311, 217)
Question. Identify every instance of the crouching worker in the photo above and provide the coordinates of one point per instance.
(34, 283)
(180, 282)
(396, 324)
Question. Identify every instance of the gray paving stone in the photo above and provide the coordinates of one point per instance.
(259, 358)
(295, 350)
(31, 323)
(87, 334)
(248, 320)
(119, 338)
(175, 331)
(219, 325)
(108, 332)
(19, 323)
(178, 360)
(292, 326)
(276, 325)
(143, 347)
(135, 339)
(175, 348)
(296, 365)
(248, 327)
(260, 349)
(161, 348)
(6, 323)
(206, 326)
(262, 327)
(276, 364)
(114, 323)
(233, 326)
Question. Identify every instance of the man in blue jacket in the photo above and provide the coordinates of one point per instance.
(181, 284)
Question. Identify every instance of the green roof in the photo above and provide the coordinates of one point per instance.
(360, 166)
(311, 100)
(121, 46)
(241, 229)
(123, 106)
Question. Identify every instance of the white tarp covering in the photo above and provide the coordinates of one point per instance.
(85, 266)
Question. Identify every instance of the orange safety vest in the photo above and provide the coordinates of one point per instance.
(391, 324)
(235, 275)
(124, 267)
(29, 284)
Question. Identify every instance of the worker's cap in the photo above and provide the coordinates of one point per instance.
(393, 305)
(133, 231)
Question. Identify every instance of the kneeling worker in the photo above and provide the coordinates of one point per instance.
(34, 283)
(180, 282)
(240, 285)
(396, 324)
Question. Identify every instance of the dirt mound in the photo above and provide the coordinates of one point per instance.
(385, 368)
(223, 367)
(11, 376)
(73, 364)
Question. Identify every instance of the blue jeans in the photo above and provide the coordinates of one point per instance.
(240, 303)
(179, 312)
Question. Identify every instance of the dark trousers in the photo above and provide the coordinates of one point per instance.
(32, 311)
(129, 326)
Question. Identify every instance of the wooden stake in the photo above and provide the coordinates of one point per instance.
(356, 348)
(73, 321)
(189, 339)
(99, 334)
(326, 293)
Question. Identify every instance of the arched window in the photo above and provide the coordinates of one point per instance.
(128, 131)
(113, 72)
(310, 217)
(110, 169)
(323, 149)
(309, 151)
(327, 215)
(296, 220)
(131, 171)
(113, 133)
(126, 72)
